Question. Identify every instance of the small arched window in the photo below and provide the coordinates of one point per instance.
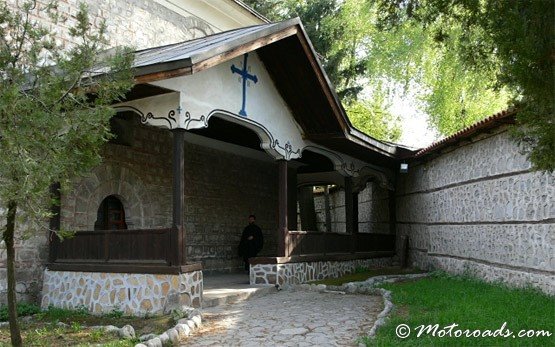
(110, 215)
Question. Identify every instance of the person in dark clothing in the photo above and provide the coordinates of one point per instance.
(251, 241)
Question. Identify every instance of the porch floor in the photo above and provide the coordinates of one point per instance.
(220, 289)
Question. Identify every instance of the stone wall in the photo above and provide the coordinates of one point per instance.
(221, 191)
(136, 23)
(140, 175)
(134, 294)
(30, 253)
(337, 210)
(374, 209)
(480, 209)
(297, 273)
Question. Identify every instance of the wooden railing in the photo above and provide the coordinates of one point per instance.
(309, 243)
(149, 246)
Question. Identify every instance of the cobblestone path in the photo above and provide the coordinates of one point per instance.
(289, 318)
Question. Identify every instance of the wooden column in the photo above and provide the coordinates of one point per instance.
(282, 249)
(291, 198)
(54, 224)
(350, 212)
(177, 238)
(327, 207)
(349, 208)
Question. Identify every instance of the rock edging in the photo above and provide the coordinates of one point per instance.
(365, 287)
(183, 328)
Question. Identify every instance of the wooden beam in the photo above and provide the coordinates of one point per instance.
(124, 268)
(163, 75)
(177, 236)
(282, 210)
(349, 209)
(327, 208)
(245, 48)
(292, 198)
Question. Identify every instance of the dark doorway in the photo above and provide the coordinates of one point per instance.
(110, 215)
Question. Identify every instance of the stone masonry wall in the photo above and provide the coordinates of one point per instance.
(221, 191)
(140, 175)
(373, 209)
(135, 23)
(337, 211)
(297, 273)
(30, 253)
(480, 209)
(134, 294)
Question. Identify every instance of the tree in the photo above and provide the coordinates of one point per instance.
(339, 31)
(511, 39)
(372, 117)
(54, 115)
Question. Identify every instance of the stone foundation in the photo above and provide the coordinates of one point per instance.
(297, 273)
(134, 294)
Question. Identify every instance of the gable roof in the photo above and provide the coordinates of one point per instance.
(292, 63)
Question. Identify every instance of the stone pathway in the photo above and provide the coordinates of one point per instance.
(289, 318)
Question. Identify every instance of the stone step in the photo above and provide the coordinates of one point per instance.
(220, 296)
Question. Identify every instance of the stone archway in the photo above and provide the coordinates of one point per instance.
(80, 206)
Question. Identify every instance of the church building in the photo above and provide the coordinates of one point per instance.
(231, 116)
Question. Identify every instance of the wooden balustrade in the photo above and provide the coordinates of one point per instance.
(148, 246)
(312, 243)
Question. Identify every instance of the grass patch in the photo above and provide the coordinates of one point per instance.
(472, 304)
(45, 330)
(23, 309)
(362, 274)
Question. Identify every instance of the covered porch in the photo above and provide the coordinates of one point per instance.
(199, 123)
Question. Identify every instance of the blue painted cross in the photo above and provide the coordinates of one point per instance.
(246, 76)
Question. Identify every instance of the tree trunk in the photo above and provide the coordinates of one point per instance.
(10, 250)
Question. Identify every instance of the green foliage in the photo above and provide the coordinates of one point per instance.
(508, 42)
(76, 327)
(362, 274)
(54, 104)
(372, 118)
(115, 313)
(23, 309)
(472, 304)
(57, 314)
(340, 32)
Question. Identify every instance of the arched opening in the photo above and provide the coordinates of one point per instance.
(320, 203)
(110, 215)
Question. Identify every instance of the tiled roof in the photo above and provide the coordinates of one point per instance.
(492, 121)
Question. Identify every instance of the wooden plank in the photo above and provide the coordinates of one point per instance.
(115, 268)
(245, 48)
(177, 239)
(163, 75)
(321, 257)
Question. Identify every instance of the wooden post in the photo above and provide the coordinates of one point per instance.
(349, 212)
(349, 209)
(327, 207)
(54, 224)
(177, 237)
(282, 202)
(292, 199)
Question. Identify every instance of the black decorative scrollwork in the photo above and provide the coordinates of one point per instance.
(189, 119)
(169, 119)
(287, 148)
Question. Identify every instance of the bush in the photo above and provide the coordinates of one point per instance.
(23, 309)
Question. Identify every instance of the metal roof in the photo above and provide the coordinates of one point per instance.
(187, 54)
